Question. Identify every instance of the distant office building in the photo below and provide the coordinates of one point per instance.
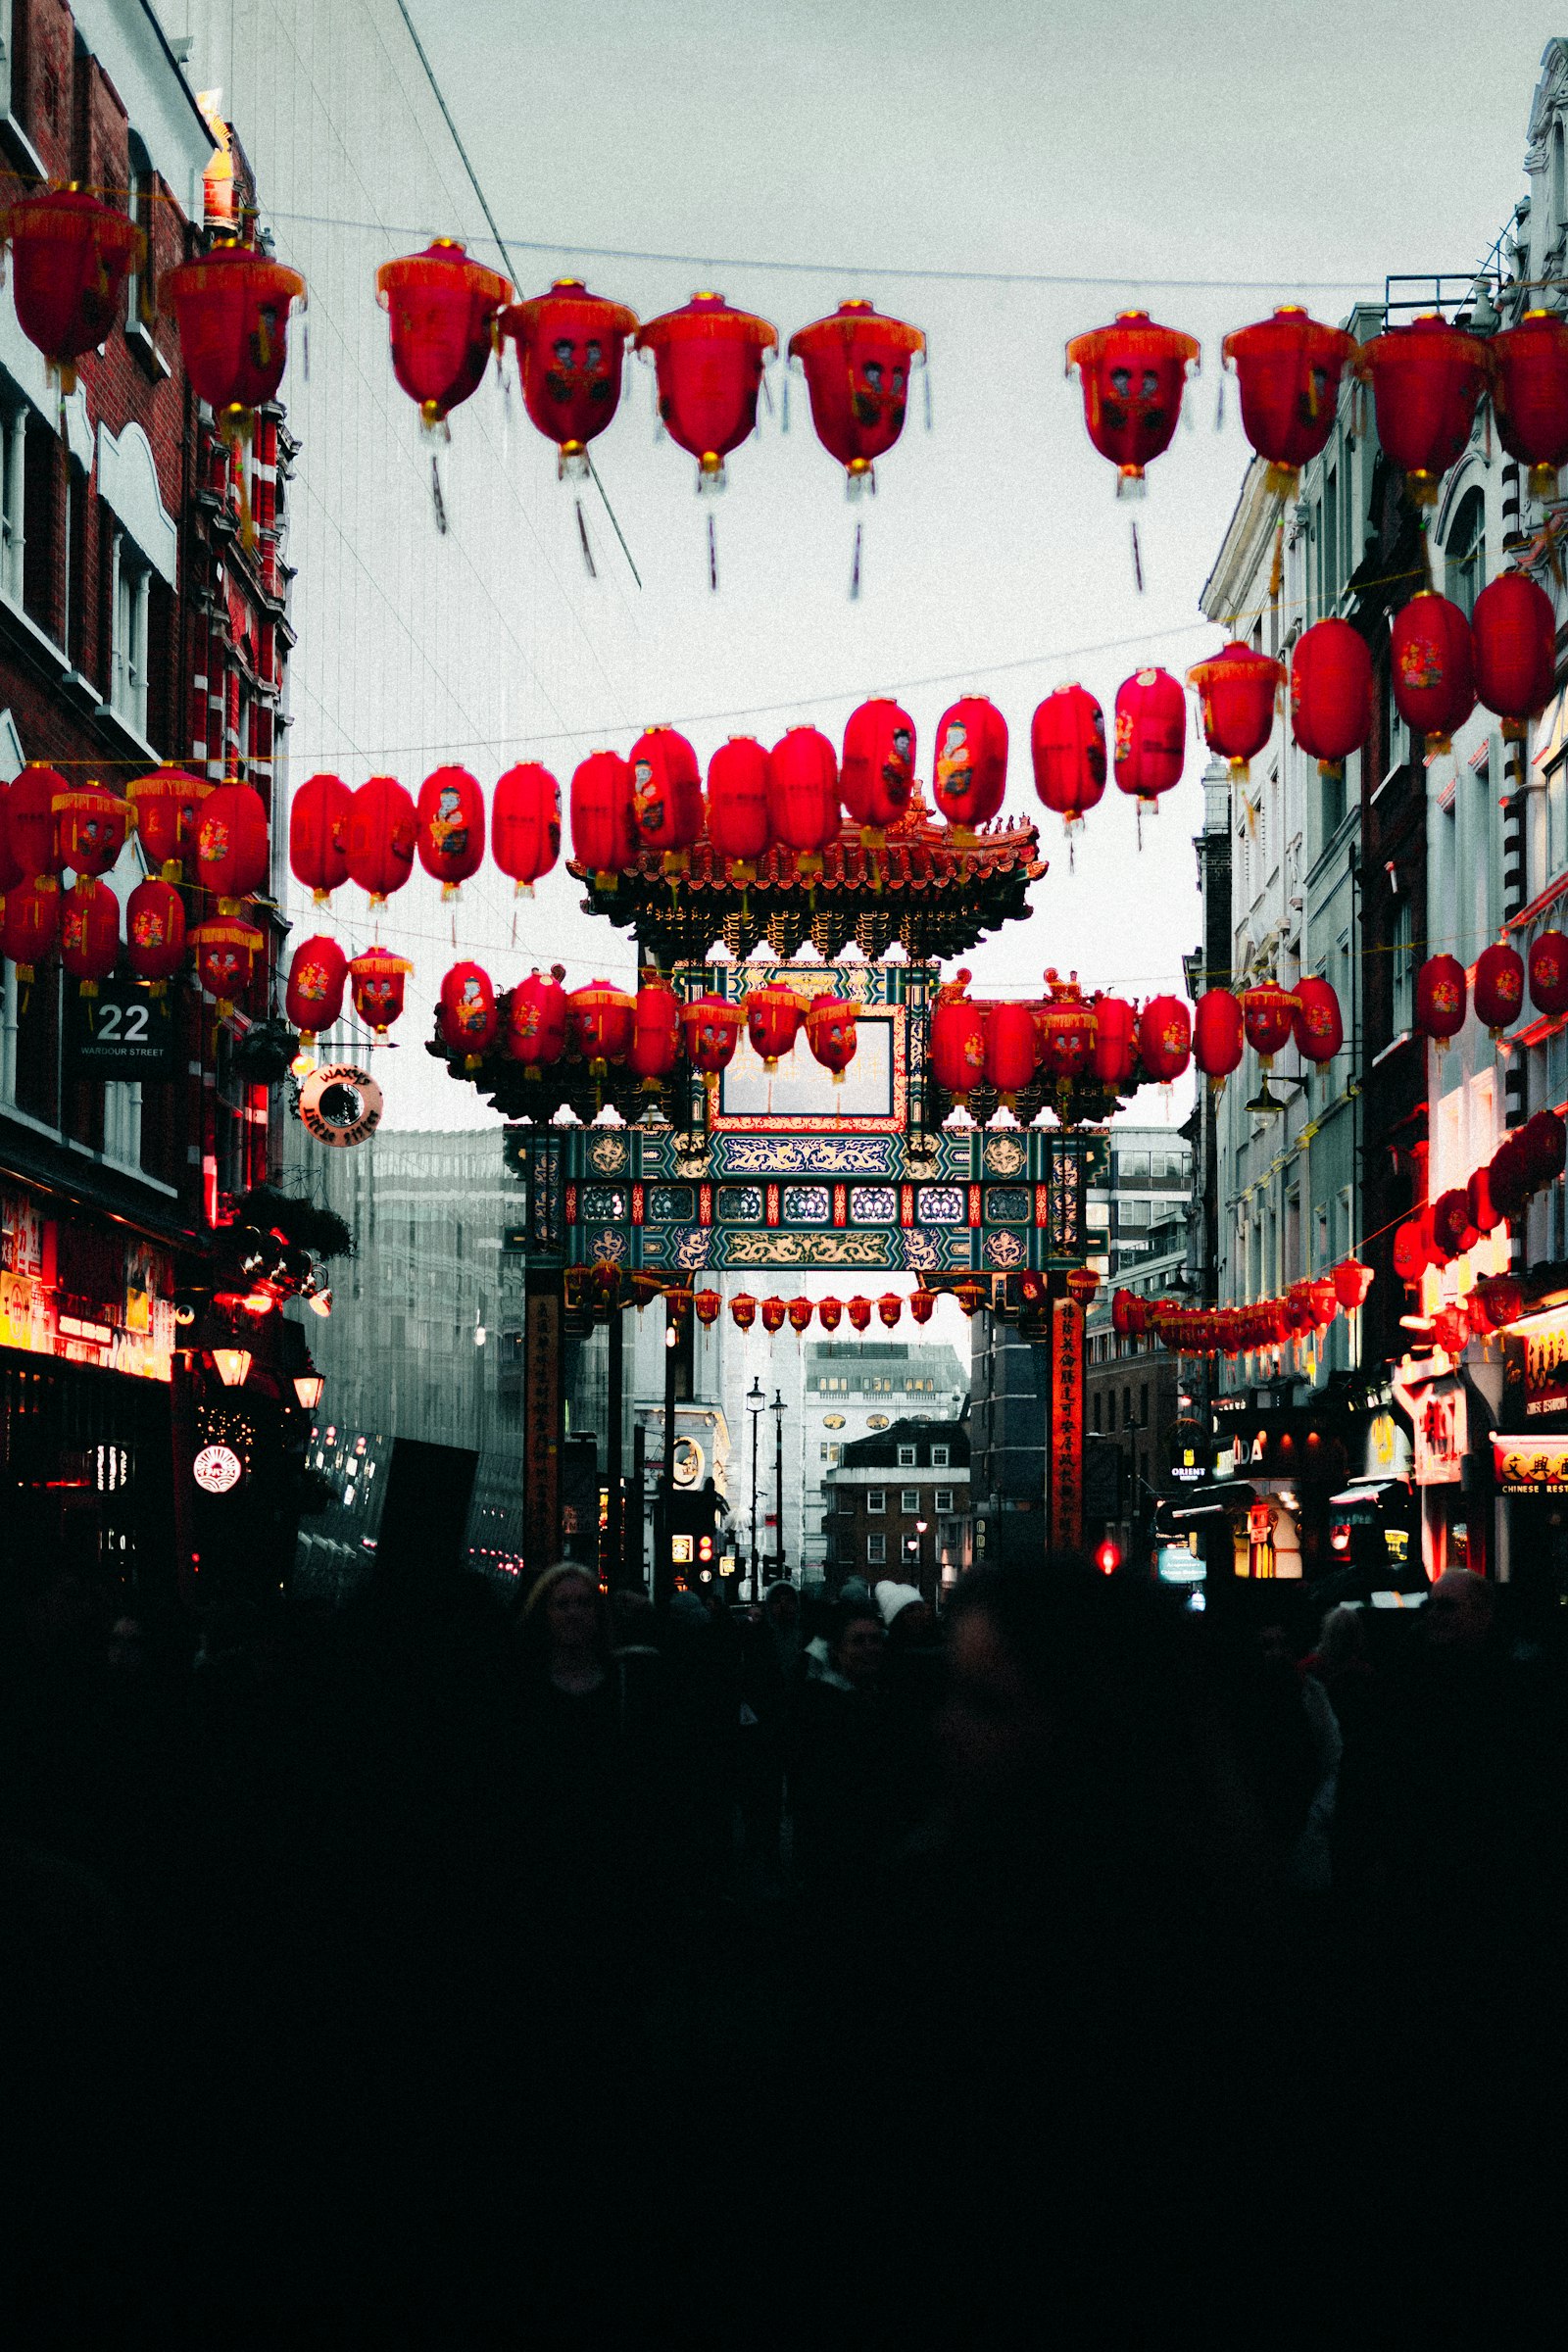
(898, 1501)
(856, 1389)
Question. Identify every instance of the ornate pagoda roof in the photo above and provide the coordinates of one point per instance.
(920, 888)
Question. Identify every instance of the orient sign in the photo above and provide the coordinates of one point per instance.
(217, 1469)
(1531, 1465)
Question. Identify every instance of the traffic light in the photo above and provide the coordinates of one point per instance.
(692, 1535)
(1107, 1559)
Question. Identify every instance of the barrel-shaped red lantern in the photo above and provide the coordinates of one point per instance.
(449, 827)
(1453, 1233)
(1011, 1048)
(319, 835)
(231, 857)
(739, 826)
(1164, 1037)
(1151, 735)
(571, 349)
(69, 259)
(318, 975)
(1219, 1037)
(970, 774)
(1485, 1216)
(155, 932)
(1236, 688)
(600, 1023)
(1131, 374)
(830, 1032)
(89, 827)
(465, 1015)
(1066, 1028)
(1352, 1283)
(90, 932)
(1067, 745)
(774, 1310)
(537, 1020)
(878, 771)
(1268, 1015)
(803, 794)
(655, 1032)
(1288, 369)
(1543, 1140)
(922, 1304)
(167, 807)
(858, 367)
(1513, 644)
(1331, 692)
(1442, 992)
(383, 827)
(1411, 1256)
(889, 1307)
(603, 821)
(1500, 987)
(708, 1305)
(228, 953)
(1547, 968)
(442, 310)
(957, 1042)
(1530, 395)
(1113, 1057)
(31, 827)
(1426, 378)
(526, 824)
(1318, 1025)
(376, 982)
(1432, 673)
(708, 364)
(666, 795)
(1501, 1299)
(773, 1017)
(860, 1311)
(801, 1310)
(232, 307)
(710, 1029)
(742, 1310)
(829, 1312)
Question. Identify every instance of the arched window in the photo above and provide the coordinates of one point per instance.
(1560, 183)
(1464, 555)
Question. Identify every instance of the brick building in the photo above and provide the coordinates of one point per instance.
(899, 1507)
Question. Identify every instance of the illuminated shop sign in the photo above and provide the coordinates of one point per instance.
(1546, 1365)
(1527, 1465)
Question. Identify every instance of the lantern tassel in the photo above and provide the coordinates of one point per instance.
(582, 534)
(1138, 560)
(1219, 404)
(305, 346)
(784, 400)
(926, 381)
(1138, 819)
(855, 568)
(712, 554)
(436, 500)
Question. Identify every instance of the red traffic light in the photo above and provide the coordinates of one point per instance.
(1107, 1559)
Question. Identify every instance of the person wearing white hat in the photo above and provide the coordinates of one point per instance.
(890, 1598)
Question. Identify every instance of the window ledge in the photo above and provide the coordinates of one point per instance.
(15, 141)
(142, 342)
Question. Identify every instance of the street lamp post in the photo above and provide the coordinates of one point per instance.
(755, 1401)
(777, 1408)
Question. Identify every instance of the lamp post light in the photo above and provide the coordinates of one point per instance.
(777, 1408)
(755, 1401)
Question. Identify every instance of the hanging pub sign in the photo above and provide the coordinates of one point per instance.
(1529, 1465)
(340, 1105)
(123, 1032)
(1442, 1435)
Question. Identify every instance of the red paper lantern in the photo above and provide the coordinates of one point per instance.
(1543, 1139)
(1452, 1230)
(155, 932)
(1508, 1179)
(1352, 1283)
(800, 1313)
(971, 1295)
(227, 956)
(743, 1308)
(707, 1307)
(1548, 967)
(1218, 1038)
(537, 1020)
(922, 1304)
(859, 1311)
(773, 1313)
(889, 1306)
(383, 827)
(858, 367)
(1500, 987)
(466, 1014)
(667, 794)
(1318, 1025)
(571, 348)
(1011, 1048)
(10, 871)
(878, 772)
(828, 1313)
(707, 364)
(1513, 643)
(830, 1034)
(1150, 739)
(1128, 1314)
(1410, 1257)
(1066, 1028)
(971, 764)
(319, 835)
(1484, 1214)
(1331, 692)
(1237, 689)
(1431, 675)
(31, 827)
(375, 985)
(318, 975)
(957, 1045)
(1501, 1300)
(231, 308)
(1288, 370)
(90, 932)
(1426, 378)
(1082, 1283)
(442, 311)
(449, 821)
(803, 794)
(739, 826)
(526, 824)
(1131, 374)
(603, 821)
(1067, 744)
(69, 259)
(655, 1032)
(1114, 1057)
(1530, 396)
(232, 855)
(1268, 1014)
(1440, 996)
(1164, 1037)
(89, 828)
(600, 1021)
(166, 809)
(712, 1028)
(773, 1017)
(30, 923)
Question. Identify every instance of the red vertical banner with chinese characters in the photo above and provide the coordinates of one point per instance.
(1065, 1492)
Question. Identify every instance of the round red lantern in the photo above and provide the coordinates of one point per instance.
(1410, 1256)
(655, 1032)
(830, 1034)
(803, 794)
(449, 827)
(1543, 1139)
(600, 1018)
(800, 1313)
(773, 1016)
(155, 932)
(878, 772)
(1508, 1179)
(1114, 1056)
(708, 1305)
(1164, 1037)
(971, 764)
(1426, 378)
(318, 975)
(1131, 374)
(666, 795)
(1352, 1283)
(383, 827)
(707, 364)
(958, 1044)
(69, 259)
(712, 1028)
(1501, 1300)
(859, 1311)
(1151, 735)
(1268, 1014)
(89, 828)
(1288, 370)
(1513, 643)
(442, 311)
(571, 349)
(1317, 1024)
(1530, 395)
(1500, 987)
(466, 1014)
(231, 308)
(1547, 966)
(742, 1310)
(1067, 744)
(31, 827)
(375, 984)
(1441, 993)
(1432, 676)
(1066, 1028)
(971, 1293)
(889, 1306)
(1218, 1038)
(773, 1313)
(1129, 1314)
(1453, 1233)
(1331, 692)
(165, 810)
(1082, 1283)
(1484, 1214)
(526, 824)
(1011, 1048)
(739, 826)
(1325, 1300)
(90, 932)
(319, 835)
(30, 923)
(231, 844)
(537, 1020)
(603, 821)
(922, 1304)
(1237, 689)
(226, 954)
(828, 1313)
(858, 367)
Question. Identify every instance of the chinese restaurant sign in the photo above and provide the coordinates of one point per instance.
(1531, 1465)
(1065, 1497)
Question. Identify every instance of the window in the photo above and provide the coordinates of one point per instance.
(1405, 963)
(876, 1500)
(1096, 1411)
(1464, 555)
(12, 508)
(909, 1500)
(944, 1498)
(830, 1454)
(1143, 1405)
(905, 1457)
(127, 686)
(876, 1552)
(940, 1457)
(1330, 546)
(1110, 1410)
(141, 284)
(1331, 798)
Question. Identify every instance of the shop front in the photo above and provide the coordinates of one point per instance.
(1528, 1457)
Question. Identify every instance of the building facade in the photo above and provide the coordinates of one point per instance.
(1136, 1408)
(899, 1504)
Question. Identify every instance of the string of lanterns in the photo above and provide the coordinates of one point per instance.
(1307, 1306)
(606, 1287)
(1531, 1156)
